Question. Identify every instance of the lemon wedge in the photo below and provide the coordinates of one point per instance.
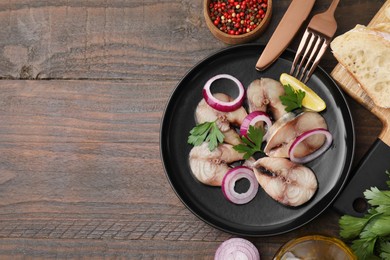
(311, 100)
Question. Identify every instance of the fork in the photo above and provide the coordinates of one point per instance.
(314, 43)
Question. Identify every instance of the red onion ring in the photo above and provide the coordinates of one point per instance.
(316, 153)
(230, 179)
(222, 105)
(252, 119)
(237, 248)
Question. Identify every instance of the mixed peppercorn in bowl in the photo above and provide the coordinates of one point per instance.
(237, 21)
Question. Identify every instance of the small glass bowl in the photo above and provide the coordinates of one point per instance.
(315, 247)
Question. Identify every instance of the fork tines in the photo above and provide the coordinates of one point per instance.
(312, 46)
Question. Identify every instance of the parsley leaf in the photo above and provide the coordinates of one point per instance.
(352, 226)
(378, 198)
(364, 247)
(206, 132)
(371, 233)
(252, 143)
(385, 249)
(292, 99)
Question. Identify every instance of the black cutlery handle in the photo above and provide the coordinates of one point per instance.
(371, 172)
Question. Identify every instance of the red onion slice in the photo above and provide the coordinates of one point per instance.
(316, 153)
(222, 105)
(237, 248)
(230, 179)
(252, 119)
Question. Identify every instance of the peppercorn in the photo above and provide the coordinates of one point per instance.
(236, 17)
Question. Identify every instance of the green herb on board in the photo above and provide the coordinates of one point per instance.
(370, 234)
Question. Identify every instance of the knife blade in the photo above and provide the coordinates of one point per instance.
(296, 14)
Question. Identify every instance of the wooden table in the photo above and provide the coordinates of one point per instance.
(82, 93)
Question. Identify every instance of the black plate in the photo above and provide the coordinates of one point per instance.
(262, 216)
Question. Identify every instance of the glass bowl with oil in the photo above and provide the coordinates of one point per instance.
(316, 247)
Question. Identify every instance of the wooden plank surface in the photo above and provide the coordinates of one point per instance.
(71, 39)
(83, 90)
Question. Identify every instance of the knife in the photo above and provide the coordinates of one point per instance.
(296, 14)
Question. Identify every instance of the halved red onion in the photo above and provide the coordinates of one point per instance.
(316, 153)
(237, 248)
(230, 179)
(252, 119)
(222, 105)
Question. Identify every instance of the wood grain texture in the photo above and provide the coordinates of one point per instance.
(70, 39)
(83, 89)
(82, 111)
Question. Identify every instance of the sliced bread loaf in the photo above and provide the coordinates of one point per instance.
(365, 52)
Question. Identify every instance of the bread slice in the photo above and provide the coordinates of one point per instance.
(365, 52)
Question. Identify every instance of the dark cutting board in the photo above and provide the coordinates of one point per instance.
(371, 170)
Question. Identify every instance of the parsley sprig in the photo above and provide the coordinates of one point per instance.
(206, 132)
(252, 143)
(292, 99)
(371, 233)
